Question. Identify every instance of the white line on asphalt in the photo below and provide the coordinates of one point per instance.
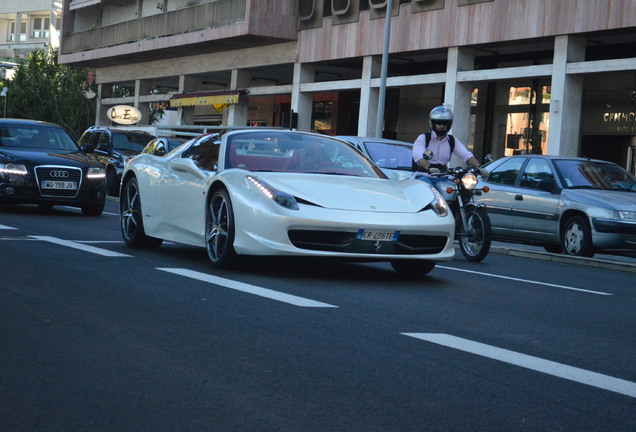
(526, 280)
(80, 246)
(582, 376)
(247, 288)
(4, 227)
(104, 213)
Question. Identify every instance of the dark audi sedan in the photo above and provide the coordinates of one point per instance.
(40, 163)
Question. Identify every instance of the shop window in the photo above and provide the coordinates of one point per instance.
(322, 117)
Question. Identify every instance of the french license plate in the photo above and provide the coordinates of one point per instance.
(56, 184)
(377, 235)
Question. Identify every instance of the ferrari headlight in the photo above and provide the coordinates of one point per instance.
(439, 204)
(281, 198)
(95, 173)
(469, 181)
(625, 214)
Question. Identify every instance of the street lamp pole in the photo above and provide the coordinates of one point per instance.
(385, 65)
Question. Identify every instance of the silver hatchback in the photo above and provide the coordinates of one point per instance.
(568, 205)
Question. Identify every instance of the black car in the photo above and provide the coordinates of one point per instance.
(40, 163)
(112, 148)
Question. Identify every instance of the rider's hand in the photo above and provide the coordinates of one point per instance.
(433, 170)
(483, 172)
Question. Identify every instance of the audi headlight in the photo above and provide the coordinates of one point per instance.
(95, 173)
(469, 181)
(281, 198)
(13, 173)
(439, 204)
(625, 214)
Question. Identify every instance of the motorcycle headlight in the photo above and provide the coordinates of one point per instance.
(439, 204)
(469, 181)
(281, 198)
(95, 173)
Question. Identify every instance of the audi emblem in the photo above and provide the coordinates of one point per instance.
(58, 174)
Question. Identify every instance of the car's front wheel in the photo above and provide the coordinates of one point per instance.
(412, 268)
(132, 226)
(577, 237)
(220, 230)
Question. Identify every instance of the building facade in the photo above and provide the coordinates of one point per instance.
(522, 76)
(26, 25)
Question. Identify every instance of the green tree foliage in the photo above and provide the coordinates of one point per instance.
(43, 90)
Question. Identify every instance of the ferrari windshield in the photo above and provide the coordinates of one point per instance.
(588, 174)
(287, 151)
(36, 137)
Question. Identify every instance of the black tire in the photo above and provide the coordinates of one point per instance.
(112, 183)
(475, 244)
(413, 268)
(220, 230)
(131, 222)
(556, 249)
(576, 238)
(93, 209)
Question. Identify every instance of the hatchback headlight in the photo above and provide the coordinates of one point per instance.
(625, 214)
(281, 198)
(95, 173)
(469, 181)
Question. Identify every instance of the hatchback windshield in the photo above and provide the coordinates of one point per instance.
(576, 174)
(32, 137)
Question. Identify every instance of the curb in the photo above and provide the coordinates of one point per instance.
(582, 261)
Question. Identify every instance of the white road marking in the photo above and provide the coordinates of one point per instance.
(4, 227)
(247, 288)
(80, 246)
(582, 376)
(526, 281)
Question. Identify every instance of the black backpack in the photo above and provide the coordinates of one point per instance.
(427, 136)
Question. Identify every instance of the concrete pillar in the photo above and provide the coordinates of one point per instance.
(369, 97)
(236, 114)
(186, 114)
(457, 95)
(142, 88)
(302, 103)
(18, 26)
(56, 10)
(566, 98)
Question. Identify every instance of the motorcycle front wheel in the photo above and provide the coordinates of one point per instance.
(475, 243)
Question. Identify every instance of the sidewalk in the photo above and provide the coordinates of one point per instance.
(607, 261)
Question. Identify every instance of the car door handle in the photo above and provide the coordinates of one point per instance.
(518, 197)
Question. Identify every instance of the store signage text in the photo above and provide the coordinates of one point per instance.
(621, 121)
(124, 114)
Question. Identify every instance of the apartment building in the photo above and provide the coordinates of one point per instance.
(522, 76)
(26, 25)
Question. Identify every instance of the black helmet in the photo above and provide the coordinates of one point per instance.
(441, 115)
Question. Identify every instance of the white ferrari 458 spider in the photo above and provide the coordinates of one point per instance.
(279, 192)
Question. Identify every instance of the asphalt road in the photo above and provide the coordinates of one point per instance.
(98, 337)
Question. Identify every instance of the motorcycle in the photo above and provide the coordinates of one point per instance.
(473, 230)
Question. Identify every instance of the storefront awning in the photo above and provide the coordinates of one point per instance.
(218, 99)
(76, 4)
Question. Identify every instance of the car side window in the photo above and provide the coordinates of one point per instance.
(204, 153)
(538, 175)
(507, 172)
(93, 138)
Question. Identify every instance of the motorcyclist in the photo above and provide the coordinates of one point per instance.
(441, 146)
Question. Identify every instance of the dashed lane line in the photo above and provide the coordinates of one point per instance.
(526, 281)
(247, 288)
(560, 370)
(80, 246)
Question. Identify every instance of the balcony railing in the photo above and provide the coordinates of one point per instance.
(216, 13)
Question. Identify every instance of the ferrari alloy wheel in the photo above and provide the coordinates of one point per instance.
(132, 227)
(412, 268)
(219, 237)
(577, 237)
(475, 243)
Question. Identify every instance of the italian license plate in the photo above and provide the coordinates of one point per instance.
(56, 184)
(378, 235)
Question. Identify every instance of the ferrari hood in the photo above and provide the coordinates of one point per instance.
(353, 193)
